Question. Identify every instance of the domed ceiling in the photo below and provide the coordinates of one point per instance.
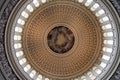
(62, 40)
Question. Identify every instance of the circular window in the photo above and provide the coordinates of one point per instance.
(63, 39)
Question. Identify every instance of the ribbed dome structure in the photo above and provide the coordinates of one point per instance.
(85, 46)
(61, 40)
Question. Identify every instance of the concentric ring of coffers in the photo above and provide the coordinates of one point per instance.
(107, 25)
